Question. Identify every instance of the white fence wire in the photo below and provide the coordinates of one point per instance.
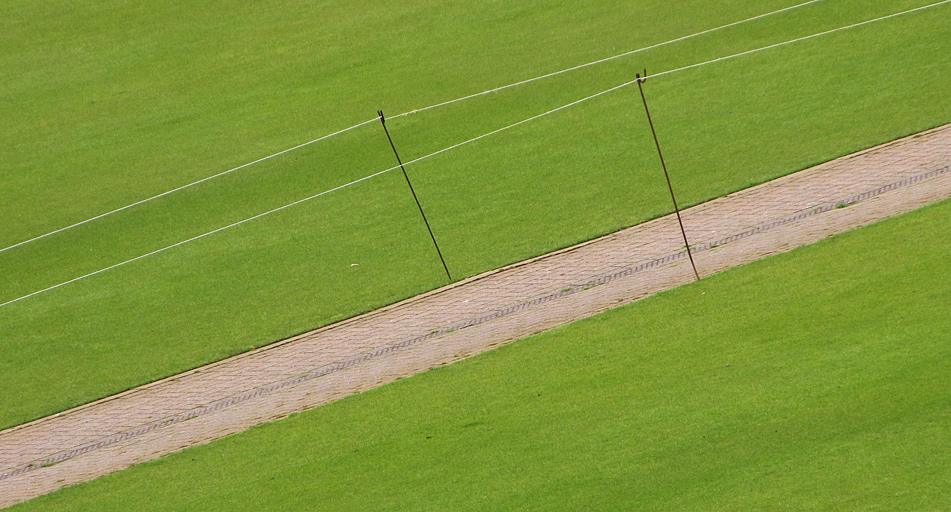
(471, 96)
(444, 150)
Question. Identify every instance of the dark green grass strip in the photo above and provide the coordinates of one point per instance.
(811, 380)
(108, 105)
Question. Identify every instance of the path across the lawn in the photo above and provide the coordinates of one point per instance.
(471, 316)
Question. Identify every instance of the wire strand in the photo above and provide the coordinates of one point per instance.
(606, 59)
(299, 201)
(183, 187)
(249, 219)
(576, 102)
(784, 43)
(483, 93)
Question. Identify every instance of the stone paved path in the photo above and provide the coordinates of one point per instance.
(470, 317)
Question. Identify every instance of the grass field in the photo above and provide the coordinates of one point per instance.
(813, 380)
(107, 104)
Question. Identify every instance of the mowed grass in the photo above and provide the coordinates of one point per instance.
(813, 380)
(111, 103)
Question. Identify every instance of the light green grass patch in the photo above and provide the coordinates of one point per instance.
(815, 379)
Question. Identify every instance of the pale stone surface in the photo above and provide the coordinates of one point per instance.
(470, 317)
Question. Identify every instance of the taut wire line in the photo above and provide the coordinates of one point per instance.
(483, 93)
(192, 239)
(308, 198)
(606, 59)
(784, 43)
(183, 187)
(606, 91)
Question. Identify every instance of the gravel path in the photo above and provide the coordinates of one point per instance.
(471, 316)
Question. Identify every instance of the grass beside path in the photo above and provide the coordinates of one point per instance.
(107, 104)
(816, 379)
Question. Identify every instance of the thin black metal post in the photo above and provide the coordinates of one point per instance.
(666, 174)
(418, 205)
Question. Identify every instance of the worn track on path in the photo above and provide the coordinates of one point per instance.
(471, 316)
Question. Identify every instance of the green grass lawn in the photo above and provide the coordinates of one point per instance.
(813, 380)
(107, 104)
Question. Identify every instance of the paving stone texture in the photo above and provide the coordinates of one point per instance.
(471, 316)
